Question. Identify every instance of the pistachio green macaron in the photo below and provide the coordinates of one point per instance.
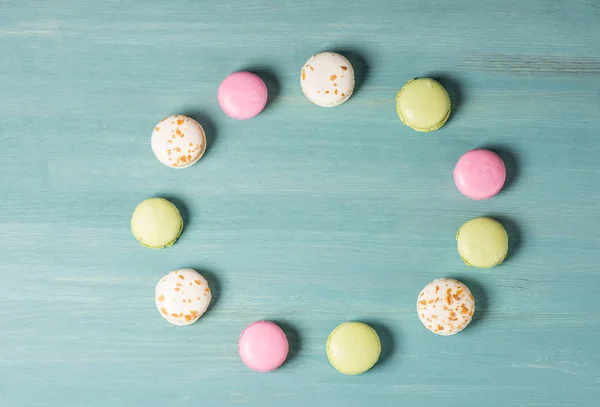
(423, 104)
(353, 348)
(482, 242)
(156, 223)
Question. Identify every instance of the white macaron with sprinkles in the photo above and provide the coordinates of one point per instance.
(178, 141)
(327, 79)
(445, 306)
(182, 296)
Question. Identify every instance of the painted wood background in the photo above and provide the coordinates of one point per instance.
(304, 215)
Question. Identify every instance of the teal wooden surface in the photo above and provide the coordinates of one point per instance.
(304, 215)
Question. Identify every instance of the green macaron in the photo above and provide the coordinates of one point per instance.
(353, 348)
(423, 104)
(482, 242)
(156, 223)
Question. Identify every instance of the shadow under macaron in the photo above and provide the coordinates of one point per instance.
(214, 284)
(455, 91)
(389, 343)
(514, 232)
(209, 126)
(360, 64)
(481, 296)
(269, 77)
(183, 211)
(511, 163)
(293, 337)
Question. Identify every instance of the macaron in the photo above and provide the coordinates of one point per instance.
(156, 223)
(423, 104)
(353, 348)
(263, 346)
(445, 306)
(327, 79)
(479, 174)
(242, 95)
(178, 141)
(482, 242)
(182, 296)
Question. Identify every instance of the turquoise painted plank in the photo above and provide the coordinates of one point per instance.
(303, 215)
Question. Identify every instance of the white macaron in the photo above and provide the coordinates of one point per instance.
(182, 296)
(445, 306)
(178, 141)
(327, 79)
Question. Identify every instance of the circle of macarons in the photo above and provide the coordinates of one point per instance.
(423, 104)
(178, 141)
(242, 95)
(182, 296)
(482, 242)
(445, 306)
(353, 348)
(263, 346)
(327, 79)
(479, 174)
(156, 223)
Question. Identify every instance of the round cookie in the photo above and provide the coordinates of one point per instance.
(423, 104)
(178, 141)
(156, 223)
(353, 348)
(327, 79)
(445, 306)
(479, 174)
(242, 95)
(182, 296)
(482, 242)
(263, 346)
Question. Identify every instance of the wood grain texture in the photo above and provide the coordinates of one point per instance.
(304, 215)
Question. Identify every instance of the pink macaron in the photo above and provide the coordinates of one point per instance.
(479, 174)
(242, 95)
(263, 346)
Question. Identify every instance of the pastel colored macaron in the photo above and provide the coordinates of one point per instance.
(178, 141)
(156, 223)
(423, 104)
(482, 242)
(479, 174)
(263, 346)
(445, 306)
(182, 296)
(242, 95)
(327, 79)
(353, 348)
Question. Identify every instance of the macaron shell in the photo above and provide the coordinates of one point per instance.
(353, 348)
(482, 242)
(423, 104)
(182, 296)
(242, 95)
(446, 306)
(263, 346)
(156, 223)
(479, 174)
(178, 141)
(327, 79)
